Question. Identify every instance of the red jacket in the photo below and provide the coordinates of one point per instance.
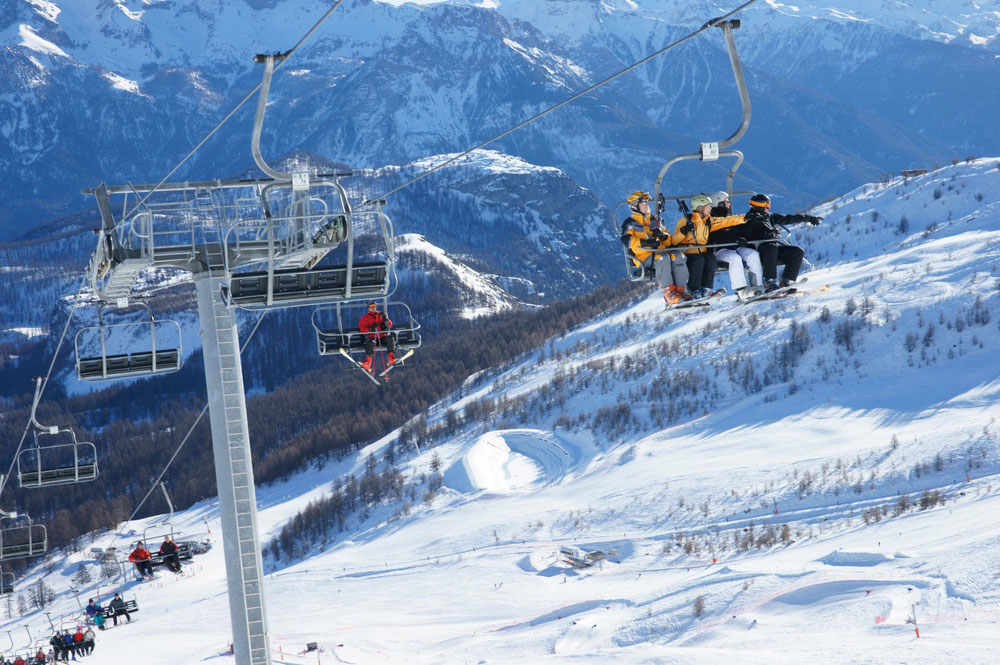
(374, 321)
(78, 636)
(139, 554)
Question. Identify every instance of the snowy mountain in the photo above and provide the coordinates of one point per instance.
(753, 475)
(119, 91)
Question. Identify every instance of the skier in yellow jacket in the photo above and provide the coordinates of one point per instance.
(647, 243)
(692, 231)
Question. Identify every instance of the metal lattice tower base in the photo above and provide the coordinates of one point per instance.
(233, 472)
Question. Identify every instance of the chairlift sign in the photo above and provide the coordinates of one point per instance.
(300, 181)
(710, 151)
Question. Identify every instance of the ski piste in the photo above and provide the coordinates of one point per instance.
(354, 362)
(397, 361)
(782, 292)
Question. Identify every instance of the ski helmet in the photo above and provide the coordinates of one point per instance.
(635, 198)
(700, 200)
(760, 201)
(719, 197)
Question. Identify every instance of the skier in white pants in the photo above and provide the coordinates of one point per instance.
(740, 258)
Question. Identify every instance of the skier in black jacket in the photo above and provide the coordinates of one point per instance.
(761, 224)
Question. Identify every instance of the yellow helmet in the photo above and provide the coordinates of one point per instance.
(635, 198)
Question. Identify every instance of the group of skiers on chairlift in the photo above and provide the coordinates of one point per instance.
(685, 268)
(142, 559)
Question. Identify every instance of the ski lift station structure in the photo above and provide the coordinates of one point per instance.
(248, 243)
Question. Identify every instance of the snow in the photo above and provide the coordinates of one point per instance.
(31, 39)
(122, 83)
(473, 575)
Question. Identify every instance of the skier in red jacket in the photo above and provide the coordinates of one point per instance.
(376, 326)
(140, 557)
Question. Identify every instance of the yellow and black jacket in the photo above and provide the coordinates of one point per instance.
(699, 236)
(640, 237)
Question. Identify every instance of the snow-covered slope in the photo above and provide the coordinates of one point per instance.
(789, 481)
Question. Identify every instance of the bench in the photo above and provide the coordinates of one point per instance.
(125, 364)
(109, 612)
(291, 285)
(353, 340)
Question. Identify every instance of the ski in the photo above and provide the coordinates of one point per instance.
(354, 362)
(689, 303)
(809, 292)
(782, 292)
(398, 361)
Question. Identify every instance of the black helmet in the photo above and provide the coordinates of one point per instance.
(760, 201)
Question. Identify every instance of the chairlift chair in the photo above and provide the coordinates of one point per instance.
(708, 152)
(22, 539)
(333, 334)
(272, 285)
(151, 360)
(56, 464)
(7, 580)
(44, 465)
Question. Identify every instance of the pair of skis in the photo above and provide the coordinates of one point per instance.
(697, 302)
(781, 292)
(371, 375)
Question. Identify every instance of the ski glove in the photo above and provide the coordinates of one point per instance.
(688, 228)
(742, 242)
(812, 219)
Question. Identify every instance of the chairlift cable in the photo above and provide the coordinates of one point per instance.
(190, 431)
(566, 101)
(45, 381)
(239, 105)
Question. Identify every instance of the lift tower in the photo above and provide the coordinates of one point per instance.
(249, 243)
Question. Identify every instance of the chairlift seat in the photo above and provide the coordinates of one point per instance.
(22, 550)
(61, 476)
(353, 340)
(297, 286)
(130, 607)
(128, 364)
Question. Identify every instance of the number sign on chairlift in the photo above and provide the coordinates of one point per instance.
(106, 351)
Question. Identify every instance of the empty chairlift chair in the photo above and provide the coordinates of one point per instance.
(48, 464)
(6, 583)
(101, 351)
(19, 538)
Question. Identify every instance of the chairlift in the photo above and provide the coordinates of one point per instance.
(301, 221)
(110, 364)
(22, 539)
(708, 152)
(7, 580)
(337, 328)
(48, 464)
(274, 286)
(157, 531)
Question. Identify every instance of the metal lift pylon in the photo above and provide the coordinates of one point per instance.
(233, 471)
